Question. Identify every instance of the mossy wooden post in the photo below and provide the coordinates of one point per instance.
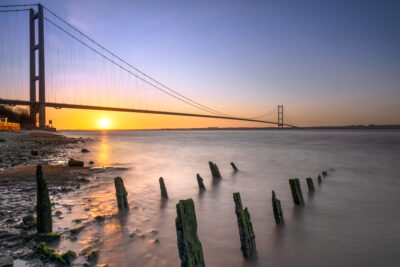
(164, 193)
(122, 195)
(319, 179)
(297, 194)
(189, 245)
(246, 233)
(234, 167)
(214, 170)
(44, 220)
(200, 182)
(310, 184)
(276, 207)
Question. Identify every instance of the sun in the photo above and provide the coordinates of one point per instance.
(104, 123)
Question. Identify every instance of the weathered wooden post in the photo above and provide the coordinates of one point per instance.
(324, 173)
(121, 194)
(234, 167)
(214, 170)
(164, 193)
(276, 206)
(297, 194)
(200, 182)
(310, 184)
(44, 220)
(189, 245)
(319, 179)
(247, 236)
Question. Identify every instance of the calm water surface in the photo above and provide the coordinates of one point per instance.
(351, 220)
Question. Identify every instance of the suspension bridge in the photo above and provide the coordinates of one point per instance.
(77, 68)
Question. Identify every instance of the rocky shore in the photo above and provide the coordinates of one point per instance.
(19, 155)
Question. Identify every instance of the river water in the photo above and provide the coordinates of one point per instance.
(351, 220)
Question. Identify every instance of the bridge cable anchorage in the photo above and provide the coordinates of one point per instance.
(210, 110)
(122, 67)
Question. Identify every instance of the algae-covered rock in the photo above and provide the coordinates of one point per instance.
(93, 256)
(200, 182)
(276, 207)
(77, 229)
(44, 220)
(28, 222)
(189, 245)
(6, 261)
(47, 254)
(297, 194)
(84, 150)
(246, 233)
(99, 218)
(163, 189)
(121, 193)
(47, 237)
(69, 256)
(75, 163)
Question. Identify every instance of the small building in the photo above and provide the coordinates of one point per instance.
(9, 126)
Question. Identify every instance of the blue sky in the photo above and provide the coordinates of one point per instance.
(328, 62)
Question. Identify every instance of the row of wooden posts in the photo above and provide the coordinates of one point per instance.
(189, 245)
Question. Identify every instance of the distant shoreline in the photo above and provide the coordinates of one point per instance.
(349, 127)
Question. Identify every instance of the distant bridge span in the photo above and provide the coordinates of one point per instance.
(132, 110)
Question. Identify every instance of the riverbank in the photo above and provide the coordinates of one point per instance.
(19, 155)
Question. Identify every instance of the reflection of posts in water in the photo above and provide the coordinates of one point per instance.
(277, 208)
(297, 194)
(122, 194)
(163, 189)
(44, 219)
(214, 170)
(200, 182)
(234, 167)
(189, 245)
(310, 184)
(246, 233)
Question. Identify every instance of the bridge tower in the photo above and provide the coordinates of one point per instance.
(39, 63)
(280, 116)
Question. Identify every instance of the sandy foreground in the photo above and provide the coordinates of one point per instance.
(20, 153)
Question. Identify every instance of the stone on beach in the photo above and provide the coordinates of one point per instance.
(84, 150)
(44, 220)
(214, 170)
(121, 194)
(6, 261)
(75, 163)
(246, 233)
(234, 167)
(297, 194)
(277, 208)
(163, 189)
(310, 184)
(200, 182)
(189, 245)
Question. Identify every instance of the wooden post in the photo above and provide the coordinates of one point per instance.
(189, 245)
(164, 193)
(44, 219)
(234, 167)
(200, 182)
(246, 233)
(297, 194)
(324, 173)
(319, 179)
(310, 184)
(276, 206)
(121, 194)
(214, 170)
